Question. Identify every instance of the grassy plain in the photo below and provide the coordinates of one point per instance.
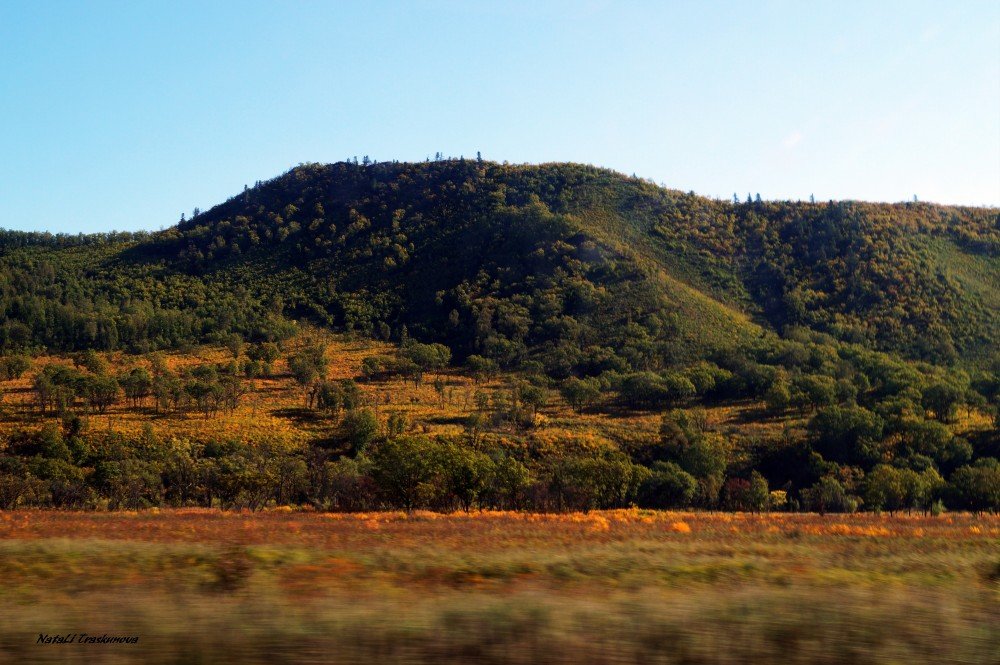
(626, 586)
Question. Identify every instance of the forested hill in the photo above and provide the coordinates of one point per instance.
(521, 336)
(554, 260)
(580, 269)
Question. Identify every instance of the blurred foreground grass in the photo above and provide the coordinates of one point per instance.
(611, 587)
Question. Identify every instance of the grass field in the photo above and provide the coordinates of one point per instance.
(605, 587)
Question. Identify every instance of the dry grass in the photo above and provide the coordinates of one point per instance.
(607, 587)
(272, 409)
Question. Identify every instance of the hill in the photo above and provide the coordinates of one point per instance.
(555, 241)
(568, 265)
(566, 322)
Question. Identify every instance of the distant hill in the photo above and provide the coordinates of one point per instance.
(578, 268)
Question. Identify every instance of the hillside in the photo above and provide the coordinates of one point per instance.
(556, 263)
(550, 336)
(460, 236)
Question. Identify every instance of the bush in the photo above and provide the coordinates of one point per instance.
(669, 486)
(406, 470)
(828, 495)
(580, 393)
(13, 367)
(360, 427)
(977, 487)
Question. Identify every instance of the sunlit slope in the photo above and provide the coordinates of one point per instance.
(541, 249)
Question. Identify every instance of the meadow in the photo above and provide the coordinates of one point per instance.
(623, 586)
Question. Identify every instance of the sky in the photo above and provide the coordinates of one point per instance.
(123, 115)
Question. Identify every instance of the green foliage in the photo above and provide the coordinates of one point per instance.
(482, 369)
(308, 363)
(669, 486)
(101, 391)
(650, 390)
(977, 487)
(467, 472)
(580, 393)
(878, 322)
(265, 353)
(13, 367)
(607, 480)
(828, 495)
(360, 428)
(425, 358)
(405, 469)
(943, 399)
(848, 434)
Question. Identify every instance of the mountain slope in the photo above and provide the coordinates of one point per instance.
(579, 268)
(567, 318)
(411, 243)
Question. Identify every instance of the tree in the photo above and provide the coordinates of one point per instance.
(265, 353)
(924, 437)
(92, 362)
(644, 390)
(605, 480)
(137, 384)
(404, 469)
(848, 434)
(232, 388)
(705, 377)
(308, 365)
(426, 357)
(204, 389)
(13, 367)
(736, 494)
(373, 366)
(705, 459)
(101, 392)
(509, 483)
(678, 387)
(669, 486)
(530, 396)
(439, 387)
(482, 369)
(467, 473)
(813, 390)
(167, 390)
(333, 396)
(942, 399)
(828, 495)
(580, 393)
(779, 395)
(234, 344)
(920, 489)
(57, 387)
(360, 427)
(759, 494)
(884, 489)
(977, 487)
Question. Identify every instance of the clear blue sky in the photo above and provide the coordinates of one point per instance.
(121, 115)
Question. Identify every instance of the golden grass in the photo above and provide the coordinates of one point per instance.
(622, 586)
(272, 410)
